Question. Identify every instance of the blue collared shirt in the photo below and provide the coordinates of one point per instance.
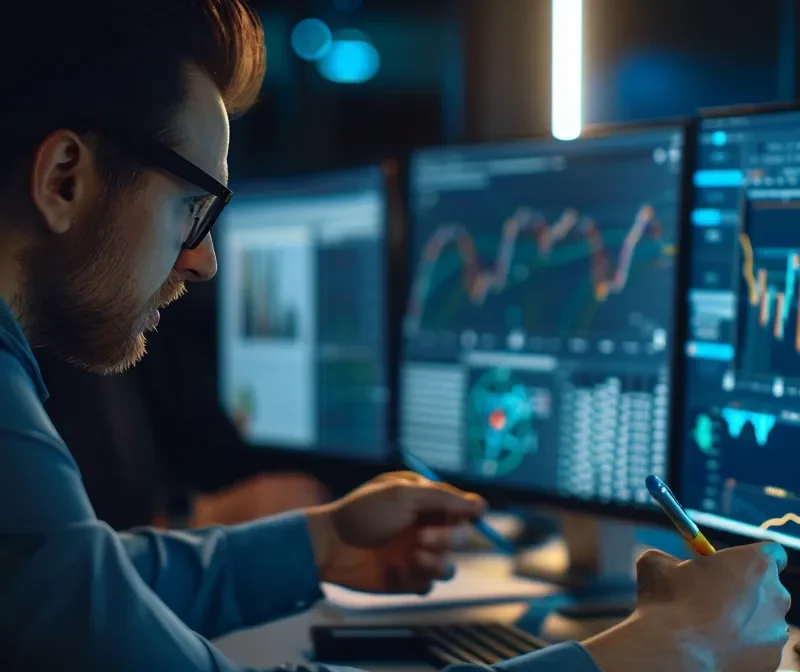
(75, 595)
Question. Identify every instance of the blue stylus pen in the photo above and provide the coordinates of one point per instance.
(487, 531)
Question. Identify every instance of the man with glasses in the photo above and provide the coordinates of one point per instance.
(113, 172)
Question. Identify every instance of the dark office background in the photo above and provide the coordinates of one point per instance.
(471, 70)
(455, 70)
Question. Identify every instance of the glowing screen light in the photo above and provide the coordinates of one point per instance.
(352, 59)
(567, 84)
(311, 39)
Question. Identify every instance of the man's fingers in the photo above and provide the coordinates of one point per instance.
(437, 538)
(443, 498)
(413, 478)
(431, 565)
(775, 552)
(415, 578)
(400, 476)
(653, 570)
(434, 501)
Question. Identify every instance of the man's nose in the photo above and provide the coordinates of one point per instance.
(198, 264)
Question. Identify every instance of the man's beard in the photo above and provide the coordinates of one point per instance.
(78, 298)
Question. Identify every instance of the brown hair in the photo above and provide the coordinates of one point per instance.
(90, 64)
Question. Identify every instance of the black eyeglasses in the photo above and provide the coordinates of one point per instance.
(204, 210)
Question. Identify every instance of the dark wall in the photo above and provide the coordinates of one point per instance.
(507, 76)
(455, 70)
(306, 123)
(643, 59)
(668, 57)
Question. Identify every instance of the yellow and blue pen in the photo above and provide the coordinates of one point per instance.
(481, 526)
(677, 514)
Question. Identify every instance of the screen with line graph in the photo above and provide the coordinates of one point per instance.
(487, 246)
(302, 330)
(740, 460)
(540, 311)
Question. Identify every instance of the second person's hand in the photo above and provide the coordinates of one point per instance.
(392, 535)
(721, 613)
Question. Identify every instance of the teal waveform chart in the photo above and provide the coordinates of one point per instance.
(761, 423)
(755, 459)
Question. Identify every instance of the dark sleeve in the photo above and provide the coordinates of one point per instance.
(221, 579)
(121, 472)
(77, 596)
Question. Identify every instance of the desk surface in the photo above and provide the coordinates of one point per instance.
(288, 641)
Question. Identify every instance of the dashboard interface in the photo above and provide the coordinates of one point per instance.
(538, 330)
(302, 314)
(743, 351)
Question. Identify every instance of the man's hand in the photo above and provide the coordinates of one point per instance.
(721, 613)
(392, 535)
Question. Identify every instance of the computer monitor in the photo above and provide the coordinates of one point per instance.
(303, 314)
(740, 466)
(537, 340)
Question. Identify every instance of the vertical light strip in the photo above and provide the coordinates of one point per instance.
(567, 84)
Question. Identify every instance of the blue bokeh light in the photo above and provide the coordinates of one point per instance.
(311, 39)
(719, 138)
(352, 59)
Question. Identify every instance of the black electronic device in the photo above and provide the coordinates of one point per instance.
(478, 643)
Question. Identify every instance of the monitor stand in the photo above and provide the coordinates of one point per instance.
(594, 560)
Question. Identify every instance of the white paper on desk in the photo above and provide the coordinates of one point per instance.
(477, 581)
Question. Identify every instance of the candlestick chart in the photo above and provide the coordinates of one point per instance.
(768, 327)
(560, 276)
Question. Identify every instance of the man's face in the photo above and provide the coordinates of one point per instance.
(94, 285)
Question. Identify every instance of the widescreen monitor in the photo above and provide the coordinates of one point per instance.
(537, 338)
(302, 307)
(740, 470)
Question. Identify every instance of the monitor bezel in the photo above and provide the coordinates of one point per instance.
(319, 459)
(681, 414)
(508, 495)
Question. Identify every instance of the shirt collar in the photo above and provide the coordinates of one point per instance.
(12, 339)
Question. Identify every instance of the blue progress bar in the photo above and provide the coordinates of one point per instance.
(718, 178)
(706, 217)
(719, 352)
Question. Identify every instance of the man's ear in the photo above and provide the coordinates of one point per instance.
(61, 178)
